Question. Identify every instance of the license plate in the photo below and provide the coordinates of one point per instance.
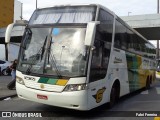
(44, 97)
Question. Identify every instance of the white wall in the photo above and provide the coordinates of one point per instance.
(17, 10)
(2, 53)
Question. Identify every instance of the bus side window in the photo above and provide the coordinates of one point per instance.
(100, 56)
(96, 65)
(103, 40)
(120, 36)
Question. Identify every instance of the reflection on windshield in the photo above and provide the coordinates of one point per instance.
(65, 53)
(68, 50)
(32, 57)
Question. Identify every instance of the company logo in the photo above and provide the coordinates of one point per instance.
(99, 95)
(23, 114)
(29, 78)
(42, 86)
(6, 114)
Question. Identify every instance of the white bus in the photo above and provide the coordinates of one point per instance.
(158, 69)
(80, 57)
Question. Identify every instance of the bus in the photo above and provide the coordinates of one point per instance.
(80, 57)
(158, 69)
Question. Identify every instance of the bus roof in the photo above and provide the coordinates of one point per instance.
(98, 6)
(74, 5)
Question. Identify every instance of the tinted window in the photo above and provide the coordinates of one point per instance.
(106, 26)
(128, 40)
(120, 36)
(101, 53)
(100, 57)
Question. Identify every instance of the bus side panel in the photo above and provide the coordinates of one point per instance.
(134, 76)
(138, 71)
(97, 93)
(118, 66)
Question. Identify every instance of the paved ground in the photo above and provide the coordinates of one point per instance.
(128, 108)
(4, 91)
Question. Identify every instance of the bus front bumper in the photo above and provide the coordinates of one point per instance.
(72, 100)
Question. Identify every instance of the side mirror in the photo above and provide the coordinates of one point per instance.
(8, 32)
(11, 26)
(90, 32)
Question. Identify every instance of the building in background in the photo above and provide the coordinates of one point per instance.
(10, 11)
(6, 12)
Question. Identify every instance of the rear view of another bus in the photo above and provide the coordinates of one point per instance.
(158, 69)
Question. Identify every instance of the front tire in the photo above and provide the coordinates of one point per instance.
(114, 95)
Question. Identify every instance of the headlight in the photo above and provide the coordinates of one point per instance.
(19, 80)
(75, 87)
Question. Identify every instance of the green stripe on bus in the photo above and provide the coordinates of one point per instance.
(43, 80)
(52, 81)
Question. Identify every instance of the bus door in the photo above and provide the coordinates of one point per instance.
(98, 70)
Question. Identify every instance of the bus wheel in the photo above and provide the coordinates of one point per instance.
(148, 84)
(114, 95)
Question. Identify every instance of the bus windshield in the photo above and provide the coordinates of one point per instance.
(58, 51)
(69, 14)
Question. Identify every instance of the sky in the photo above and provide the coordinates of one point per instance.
(119, 7)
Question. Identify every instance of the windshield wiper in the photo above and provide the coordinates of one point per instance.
(53, 60)
(41, 50)
(41, 54)
(54, 63)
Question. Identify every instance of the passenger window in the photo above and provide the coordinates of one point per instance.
(103, 40)
(98, 65)
(120, 36)
(100, 55)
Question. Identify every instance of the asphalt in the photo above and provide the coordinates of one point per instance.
(5, 93)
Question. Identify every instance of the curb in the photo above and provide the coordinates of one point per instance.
(4, 97)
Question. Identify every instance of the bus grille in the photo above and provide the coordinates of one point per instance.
(44, 87)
